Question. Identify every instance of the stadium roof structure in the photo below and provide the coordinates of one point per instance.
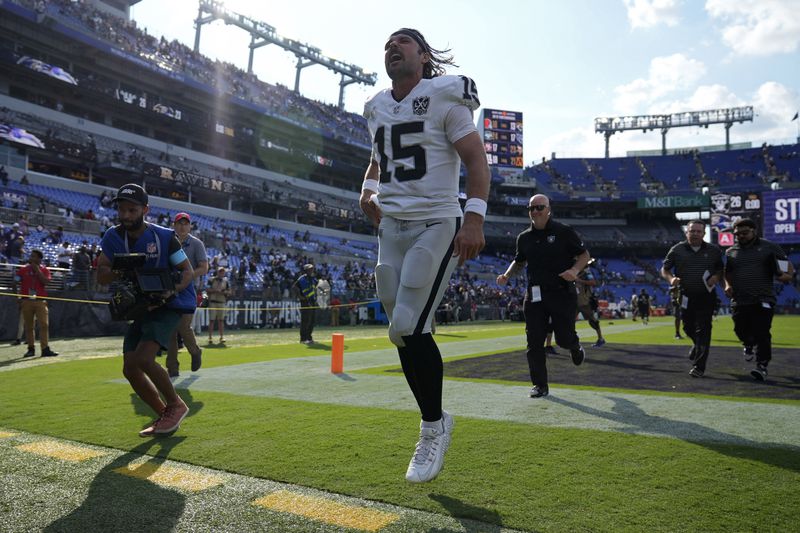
(608, 126)
(262, 34)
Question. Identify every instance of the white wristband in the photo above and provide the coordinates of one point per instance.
(475, 205)
(370, 185)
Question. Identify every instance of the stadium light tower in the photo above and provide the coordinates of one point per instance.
(608, 126)
(262, 34)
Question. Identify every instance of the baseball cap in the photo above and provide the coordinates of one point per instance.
(308, 266)
(181, 216)
(132, 192)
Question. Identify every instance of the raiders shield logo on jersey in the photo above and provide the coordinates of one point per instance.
(551, 239)
(420, 105)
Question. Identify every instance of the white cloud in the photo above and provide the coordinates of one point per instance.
(649, 13)
(758, 27)
(666, 75)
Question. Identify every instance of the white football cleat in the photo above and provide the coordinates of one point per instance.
(428, 456)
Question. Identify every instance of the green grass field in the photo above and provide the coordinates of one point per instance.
(515, 472)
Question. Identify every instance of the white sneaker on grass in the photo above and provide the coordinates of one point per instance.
(428, 457)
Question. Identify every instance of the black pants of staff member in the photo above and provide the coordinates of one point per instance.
(697, 325)
(752, 324)
(560, 307)
(307, 320)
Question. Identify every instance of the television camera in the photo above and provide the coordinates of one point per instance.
(138, 290)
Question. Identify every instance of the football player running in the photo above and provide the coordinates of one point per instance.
(422, 129)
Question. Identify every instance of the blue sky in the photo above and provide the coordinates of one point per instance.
(561, 63)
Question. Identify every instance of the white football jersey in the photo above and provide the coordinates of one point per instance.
(412, 140)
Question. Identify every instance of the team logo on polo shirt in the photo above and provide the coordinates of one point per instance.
(551, 239)
(151, 248)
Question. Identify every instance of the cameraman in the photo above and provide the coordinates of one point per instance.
(146, 335)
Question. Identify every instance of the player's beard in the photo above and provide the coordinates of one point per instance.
(136, 225)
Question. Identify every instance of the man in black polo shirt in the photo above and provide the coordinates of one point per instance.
(697, 269)
(753, 264)
(554, 255)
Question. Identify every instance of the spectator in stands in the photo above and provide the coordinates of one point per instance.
(219, 290)
(145, 336)
(56, 235)
(3, 175)
(195, 251)
(306, 290)
(107, 199)
(697, 267)
(14, 249)
(81, 263)
(587, 301)
(64, 257)
(753, 265)
(554, 255)
(33, 279)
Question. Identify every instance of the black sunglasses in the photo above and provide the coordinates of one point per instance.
(537, 207)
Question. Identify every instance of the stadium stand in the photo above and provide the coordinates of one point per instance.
(269, 195)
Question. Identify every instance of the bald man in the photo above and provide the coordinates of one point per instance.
(554, 255)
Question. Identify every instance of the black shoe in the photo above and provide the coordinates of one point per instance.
(693, 354)
(47, 352)
(173, 373)
(30, 353)
(159, 353)
(696, 372)
(578, 355)
(759, 373)
(16, 342)
(539, 392)
(748, 353)
(550, 350)
(197, 360)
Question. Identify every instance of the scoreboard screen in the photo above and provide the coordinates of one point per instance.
(502, 137)
(726, 209)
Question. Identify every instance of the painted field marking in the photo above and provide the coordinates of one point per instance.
(7, 434)
(60, 450)
(170, 476)
(327, 511)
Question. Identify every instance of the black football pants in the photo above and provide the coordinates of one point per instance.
(560, 307)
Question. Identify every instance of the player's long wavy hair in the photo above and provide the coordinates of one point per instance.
(438, 58)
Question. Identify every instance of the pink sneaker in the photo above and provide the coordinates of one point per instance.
(150, 430)
(171, 418)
